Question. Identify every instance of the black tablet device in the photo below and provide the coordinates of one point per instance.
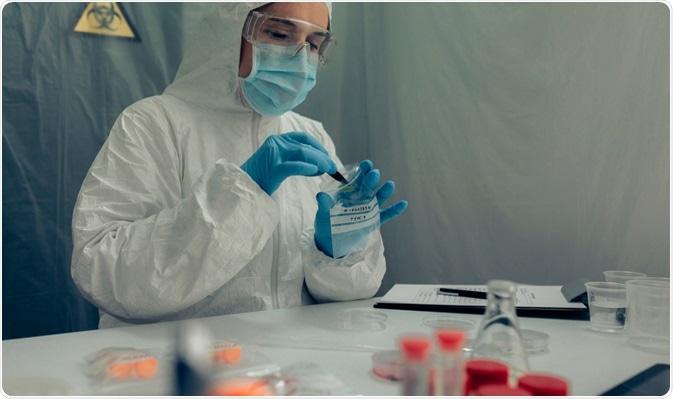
(654, 381)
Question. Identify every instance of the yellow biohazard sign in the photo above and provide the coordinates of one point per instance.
(105, 19)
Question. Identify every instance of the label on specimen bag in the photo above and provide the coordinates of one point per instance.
(347, 219)
(350, 225)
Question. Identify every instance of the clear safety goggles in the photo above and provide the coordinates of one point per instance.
(294, 34)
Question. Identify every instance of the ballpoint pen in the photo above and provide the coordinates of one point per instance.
(463, 293)
(339, 177)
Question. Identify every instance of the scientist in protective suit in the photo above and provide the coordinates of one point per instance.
(206, 200)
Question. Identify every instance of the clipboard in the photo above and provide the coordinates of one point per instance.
(539, 301)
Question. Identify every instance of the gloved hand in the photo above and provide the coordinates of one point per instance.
(323, 232)
(285, 155)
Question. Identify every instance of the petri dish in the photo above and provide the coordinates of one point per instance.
(451, 323)
(361, 320)
(535, 341)
(387, 365)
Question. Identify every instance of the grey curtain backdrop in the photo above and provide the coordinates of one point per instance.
(62, 91)
(531, 140)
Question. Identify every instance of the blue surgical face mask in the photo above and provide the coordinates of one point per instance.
(280, 79)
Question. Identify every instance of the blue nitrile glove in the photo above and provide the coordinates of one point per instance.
(285, 155)
(323, 231)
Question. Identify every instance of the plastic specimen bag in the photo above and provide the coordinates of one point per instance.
(111, 365)
(355, 213)
(297, 379)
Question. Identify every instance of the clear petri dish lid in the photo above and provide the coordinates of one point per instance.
(350, 172)
(387, 365)
(650, 282)
(450, 323)
(535, 341)
(361, 320)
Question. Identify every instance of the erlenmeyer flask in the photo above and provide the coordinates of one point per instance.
(499, 335)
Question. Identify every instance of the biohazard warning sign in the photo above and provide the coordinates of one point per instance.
(106, 19)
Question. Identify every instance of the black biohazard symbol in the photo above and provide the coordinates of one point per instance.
(105, 15)
(105, 19)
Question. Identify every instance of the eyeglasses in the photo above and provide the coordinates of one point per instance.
(292, 33)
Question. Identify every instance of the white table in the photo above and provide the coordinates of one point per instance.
(593, 362)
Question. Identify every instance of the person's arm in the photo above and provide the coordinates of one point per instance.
(357, 275)
(141, 251)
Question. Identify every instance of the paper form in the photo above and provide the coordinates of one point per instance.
(529, 296)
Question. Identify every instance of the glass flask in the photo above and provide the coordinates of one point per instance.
(499, 335)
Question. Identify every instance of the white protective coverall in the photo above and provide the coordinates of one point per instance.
(167, 226)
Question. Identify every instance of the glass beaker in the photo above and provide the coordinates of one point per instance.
(622, 276)
(648, 314)
(499, 335)
(607, 306)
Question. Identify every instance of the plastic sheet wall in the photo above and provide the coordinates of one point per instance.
(530, 139)
(61, 93)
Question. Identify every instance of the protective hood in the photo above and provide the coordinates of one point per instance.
(208, 74)
(167, 226)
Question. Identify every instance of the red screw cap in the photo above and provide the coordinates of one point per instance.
(450, 340)
(540, 384)
(480, 372)
(491, 370)
(415, 348)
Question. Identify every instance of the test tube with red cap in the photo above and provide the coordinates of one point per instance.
(499, 390)
(449, 368)
(480, 372)
(415, 370)
(540, 384)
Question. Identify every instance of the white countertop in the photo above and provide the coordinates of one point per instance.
(593, 362)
